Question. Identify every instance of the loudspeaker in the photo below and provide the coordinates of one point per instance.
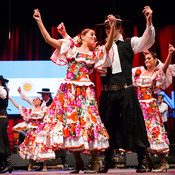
(71, 161)
(17, 161)
(131, 160)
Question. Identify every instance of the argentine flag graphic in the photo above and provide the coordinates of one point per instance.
(31, 76)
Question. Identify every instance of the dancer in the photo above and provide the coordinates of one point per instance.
(21, 129)
(5, 152)
(74, 122)
(118, 104)
(46, 101)
(45, 93)
(163, 108)
(29, 148)
(148, 81)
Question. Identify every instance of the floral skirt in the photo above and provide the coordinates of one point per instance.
(29, 149)
(157, 135)
(73, 122)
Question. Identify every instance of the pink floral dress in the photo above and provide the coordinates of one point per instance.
(146, 85)
(73, 122)
(29, 149)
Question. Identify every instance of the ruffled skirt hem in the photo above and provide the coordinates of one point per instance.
(39, 157)
(73, 144)
(158, 148)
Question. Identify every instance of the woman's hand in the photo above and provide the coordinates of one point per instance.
(62, 30)
(19, 90)
(37, 15)
(171, 49)
(51, 41)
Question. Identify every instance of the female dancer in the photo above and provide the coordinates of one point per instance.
(74, 123)
(5, 162)
(29, 149)
(147, 81)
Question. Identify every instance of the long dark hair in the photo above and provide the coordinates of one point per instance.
(154, 55)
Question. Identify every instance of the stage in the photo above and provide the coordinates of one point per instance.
(125, 164)
(111, 171)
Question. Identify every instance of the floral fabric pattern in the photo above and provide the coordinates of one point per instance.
(73, 122)
(154, 125)
(69, 51)
(77, 72)
(29, 148)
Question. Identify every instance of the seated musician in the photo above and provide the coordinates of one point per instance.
(20, 130)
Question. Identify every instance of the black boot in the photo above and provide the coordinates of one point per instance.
(105, 168)
(64, 162)
(108, 161)
(2, 163)
(107, 165)
(141, 156)
(8, 165)
(112, 163)
(149, 163)
(40, 167)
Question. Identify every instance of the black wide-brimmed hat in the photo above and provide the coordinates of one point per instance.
(3, 79)
(45, 91)
(119, 20)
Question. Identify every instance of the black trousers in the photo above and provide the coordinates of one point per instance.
(122, 116)
(22, 135)
(5, 151)
(4, 141)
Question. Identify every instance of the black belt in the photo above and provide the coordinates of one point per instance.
(115, 87)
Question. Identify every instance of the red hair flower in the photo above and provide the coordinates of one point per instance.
(138, 72)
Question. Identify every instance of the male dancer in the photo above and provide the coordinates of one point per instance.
(5, 152)
(118, 104)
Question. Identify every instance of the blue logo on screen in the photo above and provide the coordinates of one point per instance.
(170, 101)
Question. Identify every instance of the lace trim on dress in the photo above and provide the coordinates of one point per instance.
(68, 51)
(157, 79)
(27, 113)
(79, 83)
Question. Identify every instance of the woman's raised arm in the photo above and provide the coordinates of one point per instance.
(14, 103)
(51, 41)
(169, 57)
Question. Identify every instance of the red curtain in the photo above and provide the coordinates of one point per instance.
(28, 44)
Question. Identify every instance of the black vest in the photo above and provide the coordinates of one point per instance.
(49, 102)
(3, 105)
(126, 56)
